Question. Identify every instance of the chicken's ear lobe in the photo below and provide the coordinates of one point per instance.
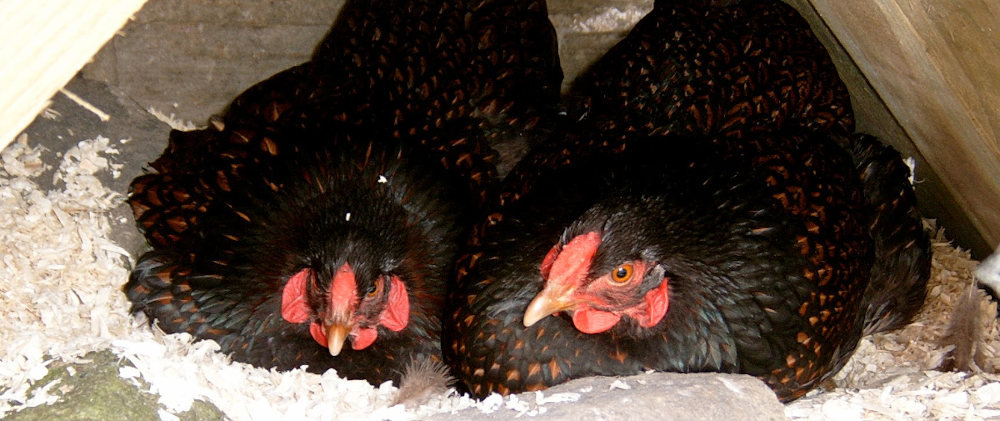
(397, 313)
(363, 338)
(294, 306)
(657, 302)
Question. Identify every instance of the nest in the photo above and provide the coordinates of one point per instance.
(60, 296)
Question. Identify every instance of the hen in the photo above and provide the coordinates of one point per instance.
(702, 208)
(338, 243)
(316, 222)
(688, 255)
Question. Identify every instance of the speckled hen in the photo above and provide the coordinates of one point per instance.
(703, 207)
(316, 221)
(754, 256)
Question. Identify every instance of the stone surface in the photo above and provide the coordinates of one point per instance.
(191, 58)
(667, 396)
(586, 29)
(92, 390)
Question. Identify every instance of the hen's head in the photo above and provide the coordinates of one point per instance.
(338, 310)
(350, 275)
(601, 272)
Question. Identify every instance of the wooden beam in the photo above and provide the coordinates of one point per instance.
(43, 44)
(937, 67)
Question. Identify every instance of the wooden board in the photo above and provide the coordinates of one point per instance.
(43, 44)
(936, 65)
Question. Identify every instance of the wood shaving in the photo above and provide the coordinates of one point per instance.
(58, 279)
(173, 121)
(60, 294)
(988, 272)
(103, 116)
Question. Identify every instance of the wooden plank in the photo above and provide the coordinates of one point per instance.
(43, 44)
(874, 117)
(937, 67)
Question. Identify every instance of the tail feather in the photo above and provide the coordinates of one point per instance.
(898, 279)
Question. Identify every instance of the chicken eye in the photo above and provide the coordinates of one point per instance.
(622, 273)
(374, 289)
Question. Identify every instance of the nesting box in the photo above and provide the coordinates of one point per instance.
(924, 77)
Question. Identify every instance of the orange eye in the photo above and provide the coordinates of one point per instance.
(375, 289)
(622, 274)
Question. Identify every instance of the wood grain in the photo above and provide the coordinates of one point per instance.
(43, 44)
(937, 67)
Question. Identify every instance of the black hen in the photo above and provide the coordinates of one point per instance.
(702, 208)
(337, 244)
(321, 213)
(689, 255)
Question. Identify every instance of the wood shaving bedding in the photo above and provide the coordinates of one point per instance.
(60, 297)
(59, 275)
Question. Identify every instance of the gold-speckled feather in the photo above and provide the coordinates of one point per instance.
(365, 161)
(693, 67)
(453, 77)
(765, 243)
(713, 145)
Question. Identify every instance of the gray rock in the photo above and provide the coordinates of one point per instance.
(193, 58)
(95, 391)
(666, 396)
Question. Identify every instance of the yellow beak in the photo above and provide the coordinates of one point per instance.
(550, 301)
(336, 335)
